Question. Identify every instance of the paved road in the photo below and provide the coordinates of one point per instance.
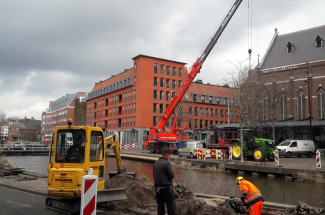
(14, 202)
(293, 162)
(17, 202)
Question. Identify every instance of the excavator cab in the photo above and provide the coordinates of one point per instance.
(73, 150)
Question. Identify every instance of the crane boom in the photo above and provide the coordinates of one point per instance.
(196, 68)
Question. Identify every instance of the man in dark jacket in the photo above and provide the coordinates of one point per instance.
(163, 174)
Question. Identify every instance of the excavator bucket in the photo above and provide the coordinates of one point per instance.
(113, 173)
(110, 195)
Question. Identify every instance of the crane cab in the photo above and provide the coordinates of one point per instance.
(73, 150)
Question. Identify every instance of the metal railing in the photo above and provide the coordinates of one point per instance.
(25, 148)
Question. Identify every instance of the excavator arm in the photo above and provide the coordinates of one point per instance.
(112, 141)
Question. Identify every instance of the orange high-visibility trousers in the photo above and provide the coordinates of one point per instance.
(256, 209)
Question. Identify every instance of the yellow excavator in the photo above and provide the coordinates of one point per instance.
(75, 149)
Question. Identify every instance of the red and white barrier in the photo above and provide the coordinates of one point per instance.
(89, 193)
(129, 146)
(276, 158)
(230, 153)
(318, 160)
(210, 153)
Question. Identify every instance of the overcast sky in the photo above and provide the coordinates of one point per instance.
(52, 48)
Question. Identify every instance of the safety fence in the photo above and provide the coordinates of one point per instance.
(129, 146)
(202, 154)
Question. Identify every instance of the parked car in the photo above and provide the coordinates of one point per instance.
(298, 148)
(188, 148)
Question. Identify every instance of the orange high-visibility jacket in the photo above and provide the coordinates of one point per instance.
(250, 194)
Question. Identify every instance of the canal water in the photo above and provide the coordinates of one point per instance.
(274, 190)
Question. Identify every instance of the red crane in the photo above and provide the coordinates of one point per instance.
(158, 137)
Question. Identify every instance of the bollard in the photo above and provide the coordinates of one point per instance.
(318, 160)
(89, 193)
(276, 158)
(230, 153)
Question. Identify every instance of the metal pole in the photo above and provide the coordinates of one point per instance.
(228, 110)
(310, 128)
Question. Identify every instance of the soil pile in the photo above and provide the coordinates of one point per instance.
(142, 198)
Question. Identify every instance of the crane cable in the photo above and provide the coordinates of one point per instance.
(250, 25)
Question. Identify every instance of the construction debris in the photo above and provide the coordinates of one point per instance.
(303, 208)
(142, 198)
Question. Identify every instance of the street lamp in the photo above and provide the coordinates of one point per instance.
(308, 87)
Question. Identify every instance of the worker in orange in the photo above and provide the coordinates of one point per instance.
(250, 196)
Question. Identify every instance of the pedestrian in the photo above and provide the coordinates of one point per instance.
(251, 196)
(163, 175)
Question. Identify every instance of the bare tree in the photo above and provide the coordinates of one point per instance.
(270, 92)
(238, 78)
(3, 120)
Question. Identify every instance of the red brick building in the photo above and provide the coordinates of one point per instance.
(134, 100)
(288, 61)
(59, 112)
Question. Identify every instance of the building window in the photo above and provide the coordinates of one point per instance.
(162, 82)
(301, 105)
(190, 123)
(167, 83)
(174, 71)
(290, 47)
(196, 111)
(174, 84)
(168, 70)
(134, 108)
(161, 95)
(179, 84)
(320, 104)
(155, 94)
(283, 107)
(226, 113)
(155, 107)
(218, 100)
(210, 99)
(319, 41)
(206, 112)
(201, 123)
(203, 98)
(135, 81)
(167, 96)
(206, 123)
(135, 68)
(155, 81)
(154, 121)
(266, 108)
(134, 95)
(201, 112)
(161, 108)
(190, 110)
(180, 72)
(211, 113)
(155, 68)
(195, 123)
(194, 97)
(221, 114)
(162, 69)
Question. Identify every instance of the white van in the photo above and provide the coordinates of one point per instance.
(298, 148)
(188, 148)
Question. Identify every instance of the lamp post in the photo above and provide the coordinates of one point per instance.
(308, 88)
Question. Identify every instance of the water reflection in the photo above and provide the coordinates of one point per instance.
(274, 190)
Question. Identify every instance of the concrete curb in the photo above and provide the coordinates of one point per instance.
(24, 189)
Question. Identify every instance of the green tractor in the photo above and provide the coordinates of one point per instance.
(255, 148)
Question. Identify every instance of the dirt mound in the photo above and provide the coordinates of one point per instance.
(142, 198)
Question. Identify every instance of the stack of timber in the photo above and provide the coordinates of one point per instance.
(8, 171)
